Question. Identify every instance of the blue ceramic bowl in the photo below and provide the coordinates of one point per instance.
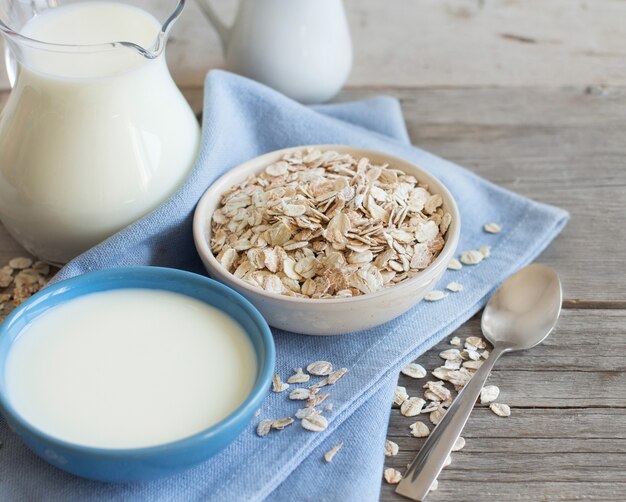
(157, 461)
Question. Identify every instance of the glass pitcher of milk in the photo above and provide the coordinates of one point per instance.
(301, 48)
(95, 133)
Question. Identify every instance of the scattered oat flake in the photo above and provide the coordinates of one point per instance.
(392, 476)
(455, 264)
(455, 287)
(281, 423)
(475, 342)
(436, 391)
(485, 251)
(452, 364)
(459, 444)
(472, 365)
(314, 423)
(455, 341)
(470, 353)
(414, 370)
(502, 410)
(330, 454)
(264, 427)
(419, 430)
(41, 267)
(472, 257)
(437, 415)
(448, 461)
(320, 368)
(434, 486)
(298, 377)
(300, 394)
(306, 412)
(6, 276)
(412, 406)
(400, 395)
(450, 354)
(20, 263)
(334, 377)
(430, 407)
(391, 448)
(316, 400)
(435, 295)
(442, 373)
(278, 385)
(492, 228)
(318, 385)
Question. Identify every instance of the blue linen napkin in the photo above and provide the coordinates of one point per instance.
(243, 119)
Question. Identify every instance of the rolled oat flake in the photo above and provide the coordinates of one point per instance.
(314, 423)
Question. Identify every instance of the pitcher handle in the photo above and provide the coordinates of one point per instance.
(222, 29)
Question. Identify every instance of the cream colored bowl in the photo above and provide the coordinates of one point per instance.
(327, 316)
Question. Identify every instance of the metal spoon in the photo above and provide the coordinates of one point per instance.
(521, 314)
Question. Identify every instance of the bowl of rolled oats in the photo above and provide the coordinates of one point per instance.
(327, 239)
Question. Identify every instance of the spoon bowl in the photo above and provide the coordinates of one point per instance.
(524, 310)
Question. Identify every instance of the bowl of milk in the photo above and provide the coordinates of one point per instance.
(133, 374)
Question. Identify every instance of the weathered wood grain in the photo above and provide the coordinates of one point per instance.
(479, 489)
(561, 453)
(449, 43)
(577, 424)
(515, 466)
(584, 341)
(552, 389)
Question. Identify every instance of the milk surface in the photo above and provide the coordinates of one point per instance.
(90, 140)
(129, 368)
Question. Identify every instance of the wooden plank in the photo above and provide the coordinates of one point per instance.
(481, 489)
(575, 425)
(521, 446)
(562, 454)
(512, 466)
(417, 43)
(553, 389)
(583, 342)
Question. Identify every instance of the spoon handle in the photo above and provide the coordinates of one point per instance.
(429, 461)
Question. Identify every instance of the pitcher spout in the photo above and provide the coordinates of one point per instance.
(15, 15)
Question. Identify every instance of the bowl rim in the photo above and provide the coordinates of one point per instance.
(248, 406)
(256, 164)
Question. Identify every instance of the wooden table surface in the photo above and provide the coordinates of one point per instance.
(529, 94)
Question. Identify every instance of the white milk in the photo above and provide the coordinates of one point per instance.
(91, 140)
(129, 368)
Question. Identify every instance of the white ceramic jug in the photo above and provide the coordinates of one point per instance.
(95, 133)
(301, 48)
